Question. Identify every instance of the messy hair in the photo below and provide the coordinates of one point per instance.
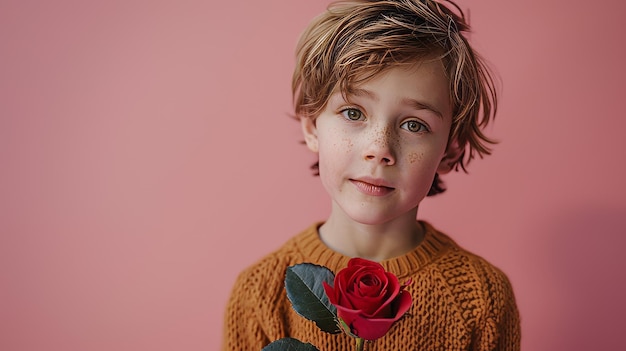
(355, 40)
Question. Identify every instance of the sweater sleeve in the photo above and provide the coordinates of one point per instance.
(500, 326)
(256, 309)
(242, 328)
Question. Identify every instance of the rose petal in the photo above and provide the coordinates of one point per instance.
(373, 328)
(395, 287)
(348, 315)
(330, 292)
(369, 306)
(343, 297)
(361, 262)
(402, 304)
(368, 288)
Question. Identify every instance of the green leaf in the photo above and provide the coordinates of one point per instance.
(306, 293)
(289, 344)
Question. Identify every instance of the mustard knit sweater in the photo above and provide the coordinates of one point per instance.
(460, 301)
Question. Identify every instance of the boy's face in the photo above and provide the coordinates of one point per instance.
(380, 147)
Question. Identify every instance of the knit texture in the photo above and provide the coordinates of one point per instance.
(460, 301)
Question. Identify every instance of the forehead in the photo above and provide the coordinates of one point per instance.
(425, 81)
(349, 78)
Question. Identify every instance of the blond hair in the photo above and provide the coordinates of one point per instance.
(355, 40)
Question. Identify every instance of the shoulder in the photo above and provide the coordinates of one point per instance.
(463, 267)
(475, 282)
(485, 298)
(460, 264)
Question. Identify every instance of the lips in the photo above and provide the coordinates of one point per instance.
(373, 187)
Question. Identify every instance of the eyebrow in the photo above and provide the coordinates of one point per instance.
(416, 104)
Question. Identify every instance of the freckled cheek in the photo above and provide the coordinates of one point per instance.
(341, 141)
(331, 173)
(334, 146)
(415, 157)
(347, 144)
(422, 158)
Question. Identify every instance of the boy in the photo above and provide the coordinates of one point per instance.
(390, 95)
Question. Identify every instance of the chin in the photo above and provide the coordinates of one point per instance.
(370, 218)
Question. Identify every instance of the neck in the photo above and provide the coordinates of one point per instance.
(376, 242)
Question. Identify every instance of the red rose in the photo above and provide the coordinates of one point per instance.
(368, 299)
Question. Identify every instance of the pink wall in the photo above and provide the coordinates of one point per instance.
(144, 143)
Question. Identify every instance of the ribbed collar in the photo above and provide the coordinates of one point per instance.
(434, 245)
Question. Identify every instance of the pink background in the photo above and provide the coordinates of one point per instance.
(147, 157)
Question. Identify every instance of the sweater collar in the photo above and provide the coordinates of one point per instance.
(433, 246)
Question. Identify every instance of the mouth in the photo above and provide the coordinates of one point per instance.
(372, 187)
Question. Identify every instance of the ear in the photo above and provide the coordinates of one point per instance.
(453, 152)
(309, 130)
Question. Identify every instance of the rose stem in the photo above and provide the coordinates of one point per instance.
(360, 342)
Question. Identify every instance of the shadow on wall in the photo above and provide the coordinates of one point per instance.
(581, 259)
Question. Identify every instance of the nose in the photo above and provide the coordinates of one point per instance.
(380, 147)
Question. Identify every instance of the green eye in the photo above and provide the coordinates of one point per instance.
(352, 114)
(414, 126)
